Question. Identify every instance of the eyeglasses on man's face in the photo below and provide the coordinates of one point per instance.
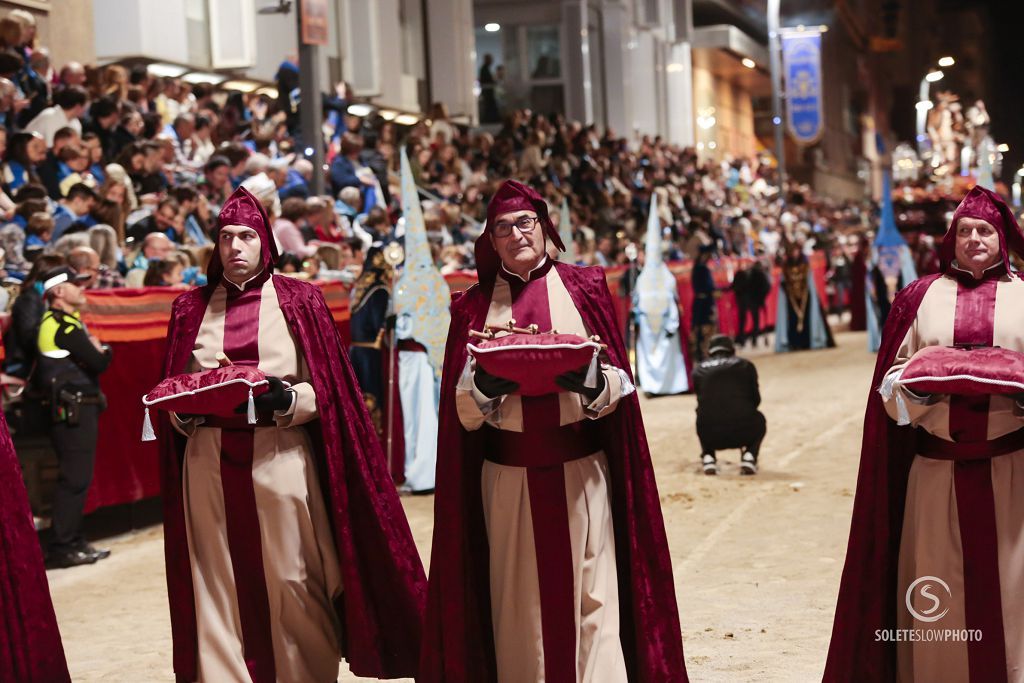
(524, 224)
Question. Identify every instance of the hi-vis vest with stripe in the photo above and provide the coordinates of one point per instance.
(48, 329)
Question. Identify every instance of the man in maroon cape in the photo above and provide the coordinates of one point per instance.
(30, 647)
(934, 578)
(286, 545)
(549, 558)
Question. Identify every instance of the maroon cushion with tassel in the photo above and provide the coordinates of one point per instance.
(965, 372)
(209, 392)
(535, 360)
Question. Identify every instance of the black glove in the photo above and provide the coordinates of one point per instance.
(277, 398)
(491, 386)
(390, 322)
(573, 381)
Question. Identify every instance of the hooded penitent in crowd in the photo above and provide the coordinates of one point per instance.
(422, 299)
(935, 545)
(286, 544)
(891, 269)
(549, 557)
(30, 646)
(661, 367)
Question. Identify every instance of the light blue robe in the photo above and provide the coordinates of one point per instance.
(660, 365)
(420, 392)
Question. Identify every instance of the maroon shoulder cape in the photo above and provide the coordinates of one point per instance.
(458, 639)
(30, 646)
(384, 587)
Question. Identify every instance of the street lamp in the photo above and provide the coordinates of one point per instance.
(775, 69)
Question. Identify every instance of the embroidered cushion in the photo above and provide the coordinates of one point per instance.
(209, 392)
(966, 372)
(534, 360)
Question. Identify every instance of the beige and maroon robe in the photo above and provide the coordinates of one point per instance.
(553, 579)
(264, 564)
(963, 520)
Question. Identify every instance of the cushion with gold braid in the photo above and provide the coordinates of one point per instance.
(965, 372)
(534, 360)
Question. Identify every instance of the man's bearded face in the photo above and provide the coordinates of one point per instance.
(241, 252)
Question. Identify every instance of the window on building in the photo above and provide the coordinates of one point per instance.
(648, 12)
(543, 52)
(197, 32)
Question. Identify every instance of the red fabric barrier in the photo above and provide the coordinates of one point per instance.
(134, 323)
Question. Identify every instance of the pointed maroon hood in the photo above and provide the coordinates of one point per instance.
(243, 208)
(988, 206)
(511, 196)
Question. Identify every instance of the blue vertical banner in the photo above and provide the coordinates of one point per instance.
(801, 64)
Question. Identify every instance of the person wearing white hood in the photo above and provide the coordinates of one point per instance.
(661, 364)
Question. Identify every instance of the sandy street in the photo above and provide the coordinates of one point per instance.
(757, 560)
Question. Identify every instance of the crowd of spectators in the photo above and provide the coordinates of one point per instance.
(123, 173)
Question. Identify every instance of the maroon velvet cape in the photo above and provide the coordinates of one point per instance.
(458, 637)
(381, 608)
(868, 590)
(30, 646)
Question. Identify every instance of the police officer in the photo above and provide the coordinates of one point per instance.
(727, 402)
(69, 365)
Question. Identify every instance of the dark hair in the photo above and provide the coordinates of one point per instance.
(31, 206)
(39, 223)
(65, 133)
(129, 151)
(107, 212)
(30, 191)
(289, 259)
(215, 162)
(83, 191)
(234, 152)
(375, 216)
(293, 209)
(153, 122)
(17, 148)
(184, 193)
(157, 270)
(355, 244)
(70, 153)
(71, 97)
(86, 137)
(10, 63)
(102, 108)
(43, 264)
(168, 201)
(138, 74)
